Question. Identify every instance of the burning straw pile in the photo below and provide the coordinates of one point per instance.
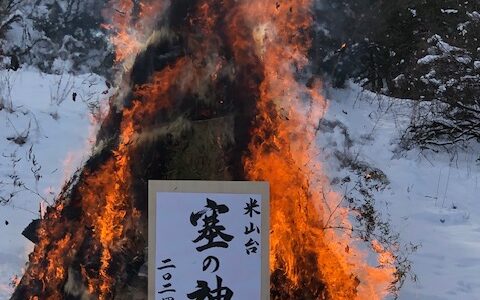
(209, 90)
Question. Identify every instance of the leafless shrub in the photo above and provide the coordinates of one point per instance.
(445, 125)
(62, 89)
(13, 185)
(20, 138)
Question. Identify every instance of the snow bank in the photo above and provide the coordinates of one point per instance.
(44, 137)
(432, 198)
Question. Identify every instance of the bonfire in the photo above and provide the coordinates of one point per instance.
(206, 90)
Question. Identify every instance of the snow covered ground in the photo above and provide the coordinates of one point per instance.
(430, 198)
(44, 137)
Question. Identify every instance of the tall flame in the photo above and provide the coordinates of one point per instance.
(268, 44)
(283, 152)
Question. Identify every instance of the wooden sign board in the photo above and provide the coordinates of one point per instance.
(208, 240)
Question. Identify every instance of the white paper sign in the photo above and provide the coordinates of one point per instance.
(208, 246)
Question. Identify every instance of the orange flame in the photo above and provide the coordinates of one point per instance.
(283, 153)
(112, 182)
(129, 36)
(271, 38)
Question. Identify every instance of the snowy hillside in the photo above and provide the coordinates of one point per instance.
(407, 168)
(430, 198)
(44, 136)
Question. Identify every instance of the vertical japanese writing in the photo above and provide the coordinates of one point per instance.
(164, 271)
(211, 235)
(252, 231)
